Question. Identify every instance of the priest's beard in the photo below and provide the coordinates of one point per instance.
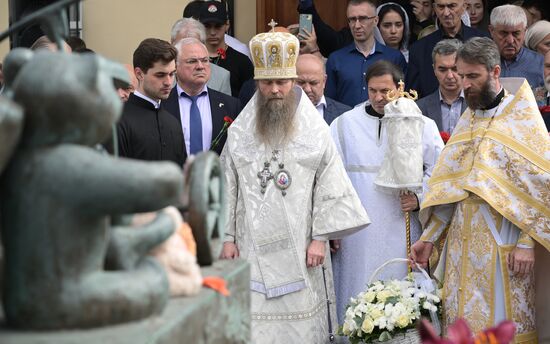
(547, 83)
(275, 123)
(482, 98)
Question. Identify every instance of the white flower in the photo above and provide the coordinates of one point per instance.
(369, 296)
(381, 322)
(383, 295)
(402, 321)
(375, 313)
(388, 310)
(367, 325)
(433, 298)
(427, 305)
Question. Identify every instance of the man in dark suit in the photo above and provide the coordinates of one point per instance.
(145, 131)
(200, 111)
(312, 79)
(446, 104)
(420, 74)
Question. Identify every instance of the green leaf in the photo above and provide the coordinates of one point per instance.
(392, 299)
(358, 320)
(384, 336)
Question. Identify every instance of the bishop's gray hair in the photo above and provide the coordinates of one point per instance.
(480, 50)
(446, 47)
(190, 28)
(508, 15)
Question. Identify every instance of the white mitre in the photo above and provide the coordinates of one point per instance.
(274, 55)
(402, 167)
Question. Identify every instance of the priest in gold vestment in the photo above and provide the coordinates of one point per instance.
(489, 194)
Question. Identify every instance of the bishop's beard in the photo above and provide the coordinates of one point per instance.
(483, 98)
(275, 122)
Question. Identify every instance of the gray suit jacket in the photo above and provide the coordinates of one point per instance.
(219, 79)
(431, 107)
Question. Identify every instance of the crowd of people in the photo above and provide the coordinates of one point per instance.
(307, 139)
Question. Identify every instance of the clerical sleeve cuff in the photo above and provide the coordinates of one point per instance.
(417, 202)
(433, 230)
(229, 238)
(525, 241)
(319, 238)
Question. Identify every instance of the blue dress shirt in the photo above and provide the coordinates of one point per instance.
(527, 64)
(346, 70)
(450, 113)
(203, 104)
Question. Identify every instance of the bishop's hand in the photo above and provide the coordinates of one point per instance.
(420, 253)
(229, 251)
(315, 254)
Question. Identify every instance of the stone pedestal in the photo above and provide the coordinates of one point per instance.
(206, 318)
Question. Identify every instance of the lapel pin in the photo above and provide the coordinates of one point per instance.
(220, 105)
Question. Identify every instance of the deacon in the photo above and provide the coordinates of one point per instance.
(288, 194)
(362, 139)
(489, 195)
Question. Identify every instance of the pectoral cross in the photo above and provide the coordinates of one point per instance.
(272, 23)
(265, 175)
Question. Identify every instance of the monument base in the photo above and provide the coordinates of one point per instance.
(208, 317)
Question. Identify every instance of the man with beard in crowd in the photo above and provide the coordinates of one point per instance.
(489, 194)
(287, 195)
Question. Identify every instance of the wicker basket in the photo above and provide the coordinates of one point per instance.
(411, 336)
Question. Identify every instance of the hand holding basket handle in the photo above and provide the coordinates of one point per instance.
(420, 253)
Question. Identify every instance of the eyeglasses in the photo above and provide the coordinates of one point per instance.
(361, 19)
(204, 60)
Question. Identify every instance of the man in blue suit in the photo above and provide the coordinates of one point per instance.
(312, 79)
(446, 104)
(420, 74)
(199, 109)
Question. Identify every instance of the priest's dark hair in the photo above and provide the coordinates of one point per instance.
(383, 67)
(152, 50)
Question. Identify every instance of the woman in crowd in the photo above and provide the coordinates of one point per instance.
(479, 18)
(393, 27)
(537, 37)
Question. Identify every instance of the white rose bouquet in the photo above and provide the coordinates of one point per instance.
(388, 308)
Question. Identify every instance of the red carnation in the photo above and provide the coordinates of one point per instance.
(221, 53)
(445, 136)
(226, 123)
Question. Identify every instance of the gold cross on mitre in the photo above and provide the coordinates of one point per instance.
(272, 23)
(400, 92)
